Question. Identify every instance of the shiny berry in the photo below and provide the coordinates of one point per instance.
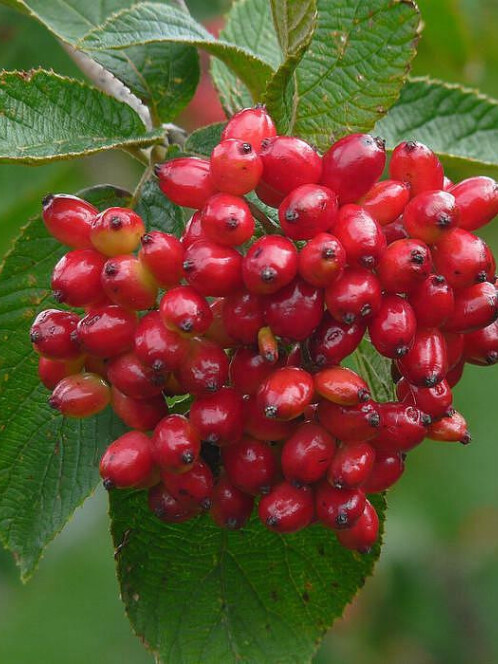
(432, 301)
(69, 219)
(463, 258)
(322, 260)
(76, 278)
(243, 316)
(193, 231)
(162, 254)
(235, 167)
(192, 488)
(360, 235)
(127, 462)
(52, 372)
(107, 331)
(360, 422)
(295, 311)
(338, 508)
(227, 220)
(355, 295)
(285, 393)
(116, 231)
(402, 427)
(53, 334)
(259, 426)
(435, 401)
(306, 455)
(404, 264)
(184, 310)
(80, 395)
(205, 369)
(416, 164)
(452, 428)
(430, 215)
(231, 507)
(351, 465)
(270, 263)
(386, 471)
(131, 377)
(475, 307)
(165, 507)
(175, 444)
(158, 347)
(250, 465)
(426, 363)
(212, 269)
(287, 508)
(332, 341)
(127, 282)
(394, 231)
(392, 329)
(141, 414)
(342, 386)
(252, 125)
(477, 200)
(308, 210)
(186, 181)
(386, 200)
(454, 347)
(218, 417)
(248, 369)
(363, 534)
(481, 346)
(217, 331)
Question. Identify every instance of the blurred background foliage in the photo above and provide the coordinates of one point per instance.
(433, 598)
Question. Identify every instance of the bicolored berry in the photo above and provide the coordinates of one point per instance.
(116, 231)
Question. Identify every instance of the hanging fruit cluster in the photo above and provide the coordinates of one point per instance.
(257, 330)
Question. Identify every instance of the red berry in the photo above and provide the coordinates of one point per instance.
(430, 215)
(107, 331)
(270, 264)
(193, 488)
(69, 219)
(426, 363)
(455, 374)
(360, 235)
(342, 386)
(248, 369)
(285, 393)
(477, 200)
(227, 220)
(158, 347)
(386, 201)
(454, 347)
(185, 311)
(404, 264)
(217, 331)
(392, 329)
(475, 307)
(394, 231)
(416, 164)
(308, 210)
(332, 341)
(402, 427)
(126, 281)
(231, 507)
(165, 507)
(435, 401)
(127, 462)
(141, 414)
(163, 255)
(80, 395)
(235, 167)
(243, 316)
(463, 258)
(175, 444)
(481, 346)
(351, 465)
(355, 295)
(360, 422)
(53, 334)
(212, 269)
(252, 125)
(116, 231)
(322, 260)
(295, 311)
(205, 369)
(432, 301)
(306, 455)
(186, 181)
(131, 377)
(193, 231)
(452, 429)
(287, 509)
(52, 372)
(352, 165)
(76, 278)
(386, 471)
(259, 426)
(338, 508)
(218, 417)
(250, 465)
(363, 534)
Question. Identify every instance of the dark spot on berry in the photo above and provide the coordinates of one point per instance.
(426, 419)
(264, 490)
(363, 394)
(232, 223)
(213, 438)
(403, 456)
(270, 357)
(58, 296)
(373, 420)
(367, 261)
(466, 438)
(431, 380)
(211, 386)
(328, 253)
(186, 325)
(35, 336)
(410, 146)
(246, 148)
(492, 357)
(231, 523)
(443, 220)
(417, 257)
(341, 520)
(268, 274)
(46, 200)
(188, 457)
(265, 143)
(108, 484)
(206, 504)
(380, 142)
(111, 269)
(439, 279)
(157, 365)
(271, 412)
(481, 277)
(188, 265)
(291, 215)
(146, 239)
(366, 310)
(348, 319)
(401, 351)
(272, 521)
(116, 223)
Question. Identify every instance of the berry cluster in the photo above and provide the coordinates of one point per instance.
(257, 330)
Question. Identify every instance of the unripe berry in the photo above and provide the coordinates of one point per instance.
(342, 386)
(386, 471)
(52, 372)
(141, 414)
(432, 301)
(127, 282)
(404, 264)
(53, 334)
(231, 507)
(184, 310)
(477, 200)
(355, 295)
(338, 508)
(131, 377)
(416, 164)
(360, 235)
(186, 181)
(205, 369)
(69, 219)
(285, 394)
(212, 269)
(392, 329)
(402, 427)
(270, 264)
(76, 278)
(218, 417)
(116, 231)
(332, 341)
(193, 488)
(287, 509)
(347, 423)
(252, 125)
(363, 534)
(175, 444)
(295, 311)
(322, 260)
(243, 316)
(386, 200)
(127, 462)
(235, 167)
(227, 220)
(250, 465)
(107, 331)
(351, 465)
(165, 507)
(80, 395)
(452, 428)
(163, 255)
(248, 369)
(426, 363)
(306, 455)
(481, 346)
(475, 307)
(308, 210)
(158, 347)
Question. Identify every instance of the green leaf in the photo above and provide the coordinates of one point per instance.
(197, 593)
(376, 370)
(44, 117)
(157, 23)
(459, 124)
(294, 20)
(157, 211)
(48, 463)
(202, 141)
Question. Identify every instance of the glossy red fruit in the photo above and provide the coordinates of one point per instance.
(243, 316)
(227, 220)
(250, 465)
(218, 417)
(355, 295)
(360, 235)
(463, 258)
(308, 210)
(416, 164)
(432, 301)
(451, 429)
(235, 167)
(322, 260)
(352, 165)
(259, 426)
(158, 347)
(347, 423)
(386, 471)
(287, 508)
(338, 508)
(217, 331)
(116, 231)
(477, 200)
(394, 231)
(402, 427)
(52, 372)
(475, 307)
(192, 488)
(186, 181)
(141, 414)
(80, 395)
(455, 374)
(392, 329)
(175, 444)
(332, 341)
(342, 386)
(285, 393)
(252, 125)
(165, 507)
(295, 311)
(435, 401)
(481, 346)
(127, 462)
(193, 231)
(53, 334)
(231, 507)
(107, 331)
(426, 363)
(454, 347)
(163, 256)
(404, 264)
(127, 282)
(363, 534)
(69, 219)
(205, 369)
(131, 377)
(270, 263)
(351, 465)
(212, 269)
(184, 310)
(307, 454)
(76, 278)
(248, 369)
(430, 215)
(386, 200)
(288, 162)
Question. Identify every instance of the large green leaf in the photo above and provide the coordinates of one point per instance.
(157, 211)
(48, 463)
(155, 23)
(44, 117)
(459, 124)
(196, 593)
